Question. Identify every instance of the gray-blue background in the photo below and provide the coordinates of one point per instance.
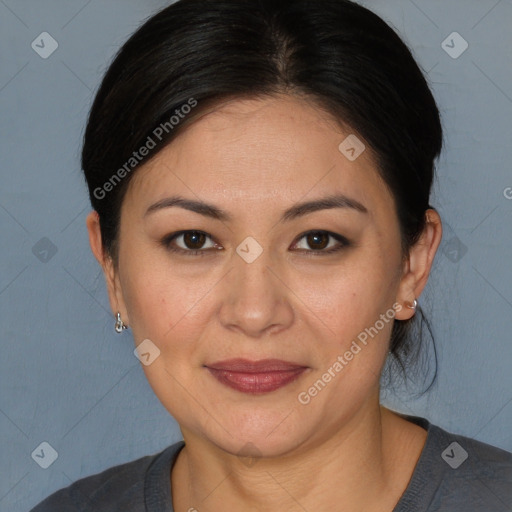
(65, 376)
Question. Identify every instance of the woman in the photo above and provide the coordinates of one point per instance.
(260, 175)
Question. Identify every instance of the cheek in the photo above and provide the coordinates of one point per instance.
(162, 305)
(168, 310)
(351, 297)
(356, 315)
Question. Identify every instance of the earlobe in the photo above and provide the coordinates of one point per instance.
(419, 264)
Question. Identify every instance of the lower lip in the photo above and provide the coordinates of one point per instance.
(256, 383)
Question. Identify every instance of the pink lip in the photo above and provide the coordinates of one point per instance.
(255, 376)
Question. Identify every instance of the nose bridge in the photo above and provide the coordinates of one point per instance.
(255, 298)
(251, 261)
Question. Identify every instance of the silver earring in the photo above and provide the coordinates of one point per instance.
(119, 326)
(414, 304)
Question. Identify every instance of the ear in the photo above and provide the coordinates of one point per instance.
(109, 269)
(418, 264)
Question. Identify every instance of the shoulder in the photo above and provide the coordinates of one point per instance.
(465, 457)
(118, 488)
(457, 473)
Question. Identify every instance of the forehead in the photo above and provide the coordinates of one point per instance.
(254, 149)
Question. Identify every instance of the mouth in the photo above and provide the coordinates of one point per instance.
(255, 377)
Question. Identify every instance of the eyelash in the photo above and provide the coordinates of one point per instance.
(167, 240)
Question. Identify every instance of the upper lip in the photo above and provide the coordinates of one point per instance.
(248, 366)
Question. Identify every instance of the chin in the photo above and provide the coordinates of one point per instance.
(259, 434)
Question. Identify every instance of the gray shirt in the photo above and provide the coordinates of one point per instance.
(453, 474)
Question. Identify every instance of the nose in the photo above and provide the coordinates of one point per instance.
(255, 298)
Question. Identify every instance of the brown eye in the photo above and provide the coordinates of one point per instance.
(194, 239)
(318, 241)
(190, 243)
(321, 242)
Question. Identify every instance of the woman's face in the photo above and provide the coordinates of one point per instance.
(271, 279)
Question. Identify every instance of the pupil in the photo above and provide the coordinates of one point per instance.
(315, 239)
(194, 239)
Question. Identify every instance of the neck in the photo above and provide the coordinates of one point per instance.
(365, 465)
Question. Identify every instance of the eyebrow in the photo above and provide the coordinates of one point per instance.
(298, 210)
